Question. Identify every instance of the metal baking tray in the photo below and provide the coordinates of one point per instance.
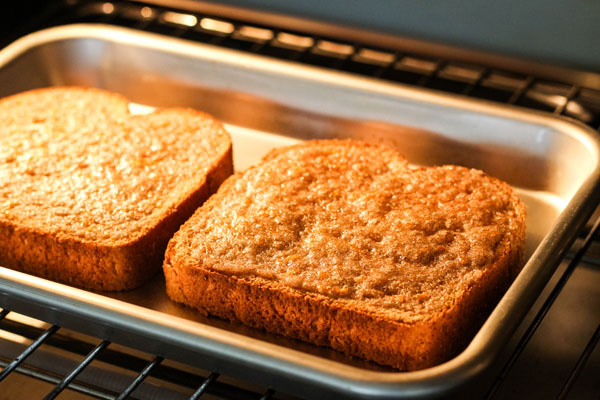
(552, 162)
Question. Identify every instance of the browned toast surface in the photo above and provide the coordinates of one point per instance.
(343, 244)
(89, 194)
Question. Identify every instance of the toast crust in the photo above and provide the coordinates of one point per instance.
(110, 254)
(409, 336)
(344, 327)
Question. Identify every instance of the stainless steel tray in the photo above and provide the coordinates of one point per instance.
(553, 163)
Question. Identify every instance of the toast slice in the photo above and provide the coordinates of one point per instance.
(90, 194)
(341, 243)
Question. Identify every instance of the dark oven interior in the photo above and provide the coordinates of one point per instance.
(553, 354)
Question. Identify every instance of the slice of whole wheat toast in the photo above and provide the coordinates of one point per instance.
(341, 243)
(90, 194)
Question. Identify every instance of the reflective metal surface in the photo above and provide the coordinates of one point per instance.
(553, 163)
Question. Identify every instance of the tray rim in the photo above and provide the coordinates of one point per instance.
(328, 373)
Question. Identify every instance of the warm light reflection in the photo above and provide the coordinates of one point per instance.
(179, 18)
(417, 64)
(252, 32)
(295, 40)
(375, 56)
(461, 73)
(574, 108)
(11, 337)
(137, 109)
(108, 8)
(337, 48)
(25, 320)
(146, 12)
(216, 25)
(553, 100)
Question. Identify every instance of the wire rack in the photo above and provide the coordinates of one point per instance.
(192, 385)
(559, 98)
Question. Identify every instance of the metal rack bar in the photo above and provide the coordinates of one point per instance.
(268, 394)
(49, 377)
(544, 310)
(202, 388)
(109, 356)
(587, 352)
(484, 74)
(37, 343)
(143, 374)
(516, 96)
(123, 360)
(67, 379)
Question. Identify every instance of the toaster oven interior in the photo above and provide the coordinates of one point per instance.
(94, 367)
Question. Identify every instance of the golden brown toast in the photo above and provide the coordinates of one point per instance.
(90, 194)
(341, 243)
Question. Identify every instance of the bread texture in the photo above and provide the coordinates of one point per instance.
(343, 244)
(90, 194)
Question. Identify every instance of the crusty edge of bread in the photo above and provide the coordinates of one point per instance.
(343, 324)
(104, 266)
(340, 324)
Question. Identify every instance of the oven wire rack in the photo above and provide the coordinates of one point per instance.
(557, 97)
